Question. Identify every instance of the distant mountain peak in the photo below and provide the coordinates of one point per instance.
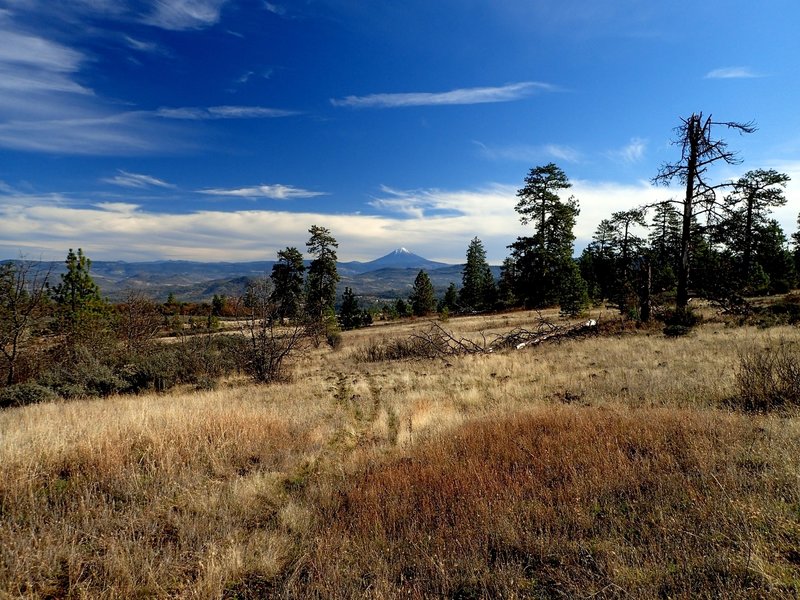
(402, 251)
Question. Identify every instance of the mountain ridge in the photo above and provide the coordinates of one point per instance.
(389, 276)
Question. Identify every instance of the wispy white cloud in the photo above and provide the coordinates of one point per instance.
(120, 134)
(137, 180)
(631, 153)
(275, 191)
(275, 8)
(185, 14)
(38, 52)
(565, 153)
(529, 153)
(142, 46)
(249, 75)
(732, 73)
(223, 112)
(118, 207)
(476, 95)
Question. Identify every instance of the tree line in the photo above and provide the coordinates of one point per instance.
(716, 240)
(64, 339)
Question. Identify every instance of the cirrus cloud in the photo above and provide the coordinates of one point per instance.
(475, 95)
(732, 73)
(275, 191)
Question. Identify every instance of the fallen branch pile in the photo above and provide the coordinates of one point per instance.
(438, 342)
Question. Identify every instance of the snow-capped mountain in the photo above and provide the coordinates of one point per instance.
(396, 259)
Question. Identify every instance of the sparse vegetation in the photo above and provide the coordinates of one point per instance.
(768, 378)
(609, 465)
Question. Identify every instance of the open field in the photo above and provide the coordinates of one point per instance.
(606, 466)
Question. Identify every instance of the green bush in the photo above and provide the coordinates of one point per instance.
(23, 394)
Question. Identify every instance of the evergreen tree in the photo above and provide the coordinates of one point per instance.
(748, 208)
(478, 291)
(322, 274)
(218, 305)
(350, 315)
(628, 247)
(287, 283)
(665, 246)
(450, 300)
(597, 263)
(423, 299)
(773, 257)
(80, 311)
(796, 244)
(543, 261)
(401, 308)
(508, 281)
(573, 294)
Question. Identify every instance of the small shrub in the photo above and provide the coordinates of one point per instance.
(334, 339)
(392, 425)
(782, 312)
(680, 322)
(767, 379)
(23, 394)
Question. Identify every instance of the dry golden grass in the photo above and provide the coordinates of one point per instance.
(604, 465)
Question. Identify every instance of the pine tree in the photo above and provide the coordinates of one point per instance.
(349, 315)
(573, 294)
(322, 274)
(287, 282)
(478, 291)
(80, 311)
(508, 281)
(748, 209)
(423, 299)
(401, 308)
(450, 300)
(544, 260)
(665, 246)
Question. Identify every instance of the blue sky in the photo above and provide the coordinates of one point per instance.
(223, 129)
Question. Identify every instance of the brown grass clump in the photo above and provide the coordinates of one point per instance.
(119, 499)
(566, 502)
(768, 378)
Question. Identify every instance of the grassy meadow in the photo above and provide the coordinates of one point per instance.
(600, 467)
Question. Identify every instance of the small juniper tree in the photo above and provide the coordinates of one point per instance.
(81, 313)
(423, 298)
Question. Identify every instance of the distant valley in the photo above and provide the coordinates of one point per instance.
(386, 278)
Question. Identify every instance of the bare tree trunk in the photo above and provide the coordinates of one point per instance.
(647, 286)
(693, 134)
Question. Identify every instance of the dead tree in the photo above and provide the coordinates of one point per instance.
(699, 150)
(139, 321)
(23, 299)
(268, 340)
